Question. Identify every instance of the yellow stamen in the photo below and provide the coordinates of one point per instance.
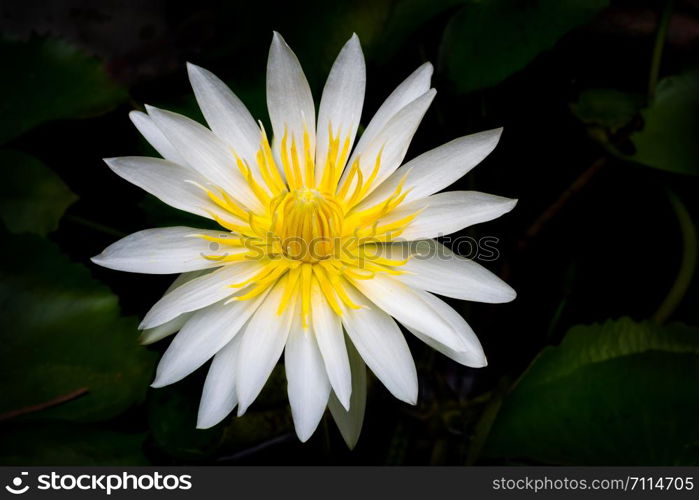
(308, 232)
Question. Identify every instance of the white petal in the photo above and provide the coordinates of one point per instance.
(435, 268)
(200, 292)
(327, 328)
(410, 89)
(308, 384)
(226, 115)
(219, 397)
(165, 250)
(167, 181)
(151, 335)
(408, 307)
(205, 153)
(473, 355)
(342, 101)
(436, 169)
(289, 99)
(262, 346)
(204, 334)
(185, 278)
(446, 213)
(155, 137)
(393, 141)
(350, 421)
(382, 346)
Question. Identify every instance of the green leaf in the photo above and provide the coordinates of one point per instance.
(61, 332)
(32, 197)
(688, 263)
(172, 418)
(48, 80)
(617, 393)
(172, 414)
(668, 140)
(487, 41)
(66, 443)
(404, 19)
(607, 108)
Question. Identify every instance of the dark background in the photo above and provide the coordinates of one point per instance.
(595, 363)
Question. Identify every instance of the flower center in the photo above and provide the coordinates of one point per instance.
(310, 231)
(309, 223)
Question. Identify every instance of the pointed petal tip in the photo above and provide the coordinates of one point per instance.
(97, 259)
(505, 293)
(427, 96)
(144, 340)
(208, 420)
(303, 434)
(354, 45)
(196, 70)
(408, 395)
(244, 401)
(496, 133)
(164, 378)
(192, 70)
(151, 109)
(344, 400)
(277, 38)
(277, 47)
(205, 421)
(426, 68)
(111, 162)
(476, 358)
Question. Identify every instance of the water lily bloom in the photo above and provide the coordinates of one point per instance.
(322, 248)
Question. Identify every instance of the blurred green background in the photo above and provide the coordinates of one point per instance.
(595, 363)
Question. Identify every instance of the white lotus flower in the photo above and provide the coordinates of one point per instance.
(315, 257)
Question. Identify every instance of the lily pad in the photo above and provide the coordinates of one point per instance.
(617, 393)
(607, 108)
(66, 443)
(668, 140)
(50, 79)
(172, 413)
(62, 335)
(32, 197)
(487, 41)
